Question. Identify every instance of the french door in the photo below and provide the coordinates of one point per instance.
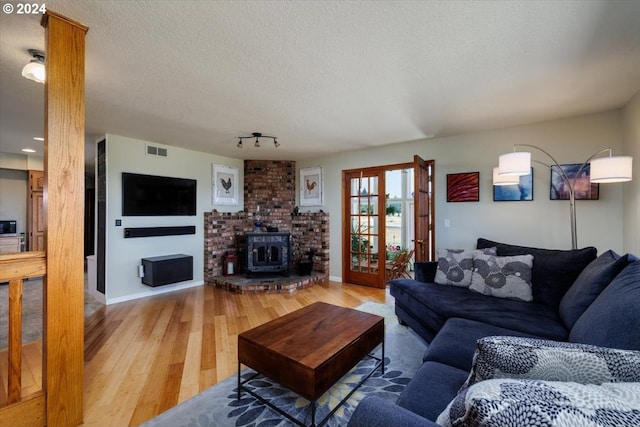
(424, 213)
(363, 230)
(364, 220)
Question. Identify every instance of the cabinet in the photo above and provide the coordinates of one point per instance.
(163, 270)
(9, 244)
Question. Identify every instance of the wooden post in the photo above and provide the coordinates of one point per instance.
(64, 217)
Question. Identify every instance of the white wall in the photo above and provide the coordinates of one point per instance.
(13, 197)
(21, 162)
(631, 144)
(124, 255)
(541, 222)
(14, 180)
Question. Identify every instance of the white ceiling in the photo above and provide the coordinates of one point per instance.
(327, 76)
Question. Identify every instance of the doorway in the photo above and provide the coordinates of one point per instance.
(387, 211)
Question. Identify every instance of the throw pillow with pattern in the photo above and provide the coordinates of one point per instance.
(529, 403)
(517, 357)
(455, 265)
(503, 277)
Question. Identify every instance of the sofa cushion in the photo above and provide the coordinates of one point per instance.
(554, 270)
(503, 402)
(502, 277)
(613, 320)
(433, 304)
(376, 411)
(431, 389)
(456, 342)
(515, 357)
(455, 265)
(593, 279)
(425, 271)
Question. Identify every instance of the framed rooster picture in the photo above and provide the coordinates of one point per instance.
(311, 186)
(224, 185)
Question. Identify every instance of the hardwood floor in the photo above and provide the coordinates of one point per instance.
(145, 356)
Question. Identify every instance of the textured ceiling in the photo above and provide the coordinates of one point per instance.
(327, 76)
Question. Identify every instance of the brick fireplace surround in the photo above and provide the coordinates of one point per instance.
(271, 185)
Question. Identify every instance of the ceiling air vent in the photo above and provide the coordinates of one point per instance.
(152, 150)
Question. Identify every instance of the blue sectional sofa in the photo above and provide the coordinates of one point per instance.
(577, 298)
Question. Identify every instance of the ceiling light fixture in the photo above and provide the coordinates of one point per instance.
(38, 138)
(28, 150)
(34, 70)
(257, 136)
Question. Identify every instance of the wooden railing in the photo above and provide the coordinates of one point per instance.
(15, 268)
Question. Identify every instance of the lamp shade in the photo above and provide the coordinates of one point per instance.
(611, 169)
(504, 179)
(517, 163)
(34, 70)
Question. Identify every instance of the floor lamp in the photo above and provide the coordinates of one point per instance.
(603, 170)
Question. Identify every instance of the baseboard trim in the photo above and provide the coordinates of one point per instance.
(155, 291)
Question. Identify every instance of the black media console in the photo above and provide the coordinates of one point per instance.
(163, 270)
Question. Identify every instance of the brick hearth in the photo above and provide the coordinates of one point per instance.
(267, 283)
(272, 186)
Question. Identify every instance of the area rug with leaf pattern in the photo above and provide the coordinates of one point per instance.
(219, 405)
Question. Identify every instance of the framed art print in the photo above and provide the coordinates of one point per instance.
(224, 184)
(511, 193)
(311, 186)
(583, 189)
(463, 187)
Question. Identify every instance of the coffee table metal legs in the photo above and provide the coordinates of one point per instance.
(312, 405)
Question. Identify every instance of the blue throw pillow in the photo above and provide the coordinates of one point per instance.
(593, 279)
(425, 271)
(613, 320)
(554, 270)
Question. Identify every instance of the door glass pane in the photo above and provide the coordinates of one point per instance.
(373, 225)
(355, 205)
(355, 185)
(373, 185)
(373, 205)
(393, 184)
(363, 190)
(373, 255)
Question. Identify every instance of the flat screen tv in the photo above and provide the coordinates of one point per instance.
(149, 195)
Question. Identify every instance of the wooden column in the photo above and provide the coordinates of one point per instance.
(64, 214)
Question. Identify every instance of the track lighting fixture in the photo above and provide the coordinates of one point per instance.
(257, 136)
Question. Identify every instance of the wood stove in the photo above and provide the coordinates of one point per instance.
(268, 253)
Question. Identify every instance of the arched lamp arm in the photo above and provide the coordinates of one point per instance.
(562, 172)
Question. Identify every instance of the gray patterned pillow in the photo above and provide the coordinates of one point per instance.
(455, 265)
(515, 357)
(503, 277)
(524, 403)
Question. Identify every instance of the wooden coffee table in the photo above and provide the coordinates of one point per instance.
(309, 350)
